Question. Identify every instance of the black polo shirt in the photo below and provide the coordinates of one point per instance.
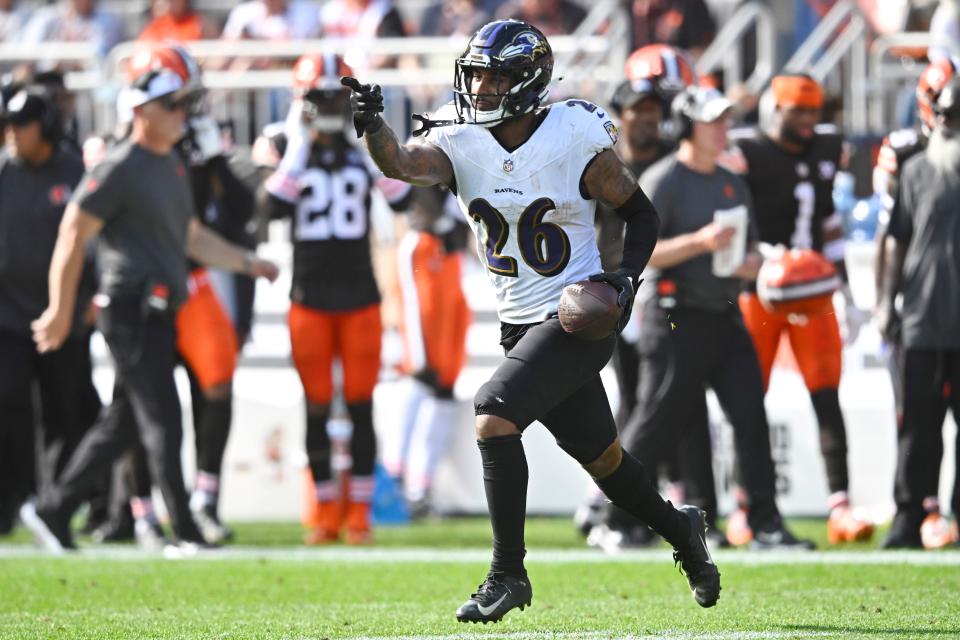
(32, 201)
(926, 218)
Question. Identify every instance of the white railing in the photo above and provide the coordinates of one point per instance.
(888, 76)
(585, 61)
(835, 53)
(725, 53)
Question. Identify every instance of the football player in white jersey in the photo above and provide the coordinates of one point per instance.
(528, 177)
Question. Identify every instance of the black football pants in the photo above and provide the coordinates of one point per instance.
(145, 406)
(694, 469)
(680, 356)
(62, 383)
(931, 385)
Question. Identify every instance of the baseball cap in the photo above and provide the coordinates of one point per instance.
(25, 107)
(705, 104)
(630, 92)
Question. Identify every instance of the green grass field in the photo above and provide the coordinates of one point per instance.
(410, 583)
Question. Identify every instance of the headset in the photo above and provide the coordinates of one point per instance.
(51, 123)
(680, 114)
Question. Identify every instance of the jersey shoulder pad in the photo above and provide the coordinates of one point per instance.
(592, 123)
(445, 112)
(829, 144)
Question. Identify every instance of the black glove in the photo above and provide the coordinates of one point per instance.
(366, 102)
(626, 283)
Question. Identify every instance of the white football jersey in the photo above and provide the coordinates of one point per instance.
(534, 225)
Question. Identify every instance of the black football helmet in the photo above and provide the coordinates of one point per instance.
(511, 47)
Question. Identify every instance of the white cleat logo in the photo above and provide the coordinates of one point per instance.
(486, 611)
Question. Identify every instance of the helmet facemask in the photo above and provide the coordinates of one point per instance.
(526, 91)
(326, 110)
(518, 51)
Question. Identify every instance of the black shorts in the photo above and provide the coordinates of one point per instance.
(552, 377)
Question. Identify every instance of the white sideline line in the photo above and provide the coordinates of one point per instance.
(605, 635)
(535, 556)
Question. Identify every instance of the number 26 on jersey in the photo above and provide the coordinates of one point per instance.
(543, 246)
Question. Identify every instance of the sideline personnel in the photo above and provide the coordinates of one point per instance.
(37, 175)
(693, 333)
(139, 201)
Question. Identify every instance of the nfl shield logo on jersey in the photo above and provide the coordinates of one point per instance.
(508, 165)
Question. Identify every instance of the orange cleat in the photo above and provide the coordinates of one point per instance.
(936, 532)
(844, 526)
(327, 527)
(358, 523)
(738, 528)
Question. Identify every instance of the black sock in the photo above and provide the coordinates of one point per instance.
(212, 434)
(505, 482)
(318, 446)
(629, 488)
(833, 437)
(363, 442)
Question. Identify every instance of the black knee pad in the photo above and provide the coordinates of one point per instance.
(492, 399)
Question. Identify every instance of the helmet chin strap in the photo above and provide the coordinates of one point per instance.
(426, 123)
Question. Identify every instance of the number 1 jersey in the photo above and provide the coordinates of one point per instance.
(528, 206)
(792, 193)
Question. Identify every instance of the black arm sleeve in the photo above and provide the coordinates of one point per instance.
(643, 226)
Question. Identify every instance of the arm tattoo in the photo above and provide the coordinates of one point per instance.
(420, 164)
(385, 151)
(609, 180)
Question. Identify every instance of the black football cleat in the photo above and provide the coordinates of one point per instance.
(695, 561)
(778, 538)
(118, 529)
(498, 594)
(50, 528)
(905, 531)
(212, 530)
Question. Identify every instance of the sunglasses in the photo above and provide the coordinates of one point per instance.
(189, 103)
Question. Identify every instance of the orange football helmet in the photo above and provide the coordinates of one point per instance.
(656, 70)
(160, 70)
(316, 81)
(799, 281)
(932, 81)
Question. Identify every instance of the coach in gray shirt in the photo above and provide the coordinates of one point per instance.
(692, 333)
(925, 228)
(138, 201)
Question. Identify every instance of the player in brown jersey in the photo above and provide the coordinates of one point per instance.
(789, 169)
(323, 183)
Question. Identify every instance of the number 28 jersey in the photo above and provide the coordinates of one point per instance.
(329, 206)
(531, 215)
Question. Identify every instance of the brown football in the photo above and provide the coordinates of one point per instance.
(589, 310)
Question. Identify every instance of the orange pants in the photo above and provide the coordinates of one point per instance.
(435, 313)
(206, 339)
(317, 337)
(815, 341)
